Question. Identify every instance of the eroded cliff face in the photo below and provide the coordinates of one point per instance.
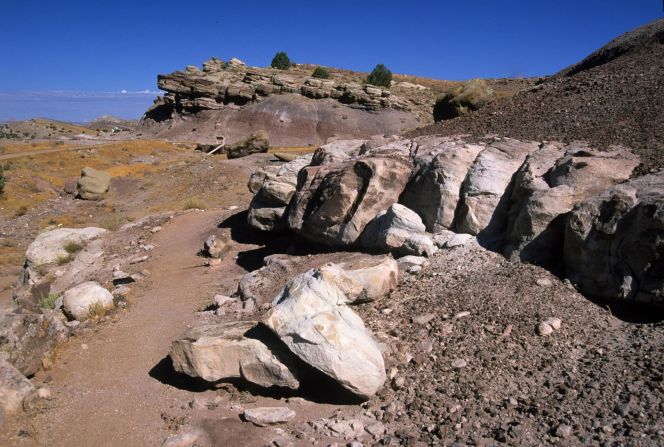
(231, 99)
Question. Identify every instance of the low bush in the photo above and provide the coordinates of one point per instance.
(194, 203)
(48, 301)
(281, 61)
(380, 76)
(321, 73)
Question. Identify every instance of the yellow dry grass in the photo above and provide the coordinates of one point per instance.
(34, 179)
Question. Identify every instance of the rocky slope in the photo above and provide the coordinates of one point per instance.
(612, 97)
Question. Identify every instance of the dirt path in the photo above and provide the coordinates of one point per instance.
(104, 395)
(58, 149)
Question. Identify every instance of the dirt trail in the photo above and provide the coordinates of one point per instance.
(104, 395)
(57, 149)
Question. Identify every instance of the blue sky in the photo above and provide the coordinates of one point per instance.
(97, 49)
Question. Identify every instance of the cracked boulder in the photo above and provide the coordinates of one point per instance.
(236, 349)
(614, 242)
(312, 318)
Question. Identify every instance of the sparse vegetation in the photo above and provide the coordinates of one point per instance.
(194, 203)
(63, 259)
(321, 73)
(72, 247)
(48, 301)
(2, 181)
(97, 310)
(21, 211)
(112, 222)
(381, 76)
(281, 61)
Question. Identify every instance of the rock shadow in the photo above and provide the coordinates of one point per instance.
(163, 372)
(270, 243)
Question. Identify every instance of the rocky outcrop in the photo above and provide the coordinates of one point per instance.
(385, 194)
(470, 96)
(92, 184)
(335, 201)
(28, 339)
(274, 186)
(614, 242)
(79, 301)
(547, 186)
(292, 107)
(312, 318)
(236, 349)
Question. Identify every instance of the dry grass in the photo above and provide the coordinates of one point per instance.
(112, 222)
(97, 311)
(72, 247)
(194, 203)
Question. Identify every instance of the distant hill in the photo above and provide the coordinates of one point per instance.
(614, 96)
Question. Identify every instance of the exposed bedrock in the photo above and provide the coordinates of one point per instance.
(390, 195)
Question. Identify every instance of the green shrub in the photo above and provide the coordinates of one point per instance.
(281, 61)
(48, 301)
(321, 73)
(381, 76)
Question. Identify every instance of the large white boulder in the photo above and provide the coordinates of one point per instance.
(311, 317)
(51, 246)
(78, 300)
(400, 231)
(231, 350)
(376, 274)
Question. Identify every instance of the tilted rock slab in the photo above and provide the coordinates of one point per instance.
(614, 242)
(227, 350)
(486, 184)
(311, 317)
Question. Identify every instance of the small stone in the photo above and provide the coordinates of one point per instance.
(84, 346)
(138, 259)
(423, 319)
(398, 382)
(622, 409)
(461, 315)
(543, 282)
(375, 429)
(544, 329)
(564, 431)
(182, 440)
(459, 364)
(386, 311)
(156, 229)
(44, 393)
(263, 416)
(555, 323)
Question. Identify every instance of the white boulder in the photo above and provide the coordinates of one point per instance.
(78, 300)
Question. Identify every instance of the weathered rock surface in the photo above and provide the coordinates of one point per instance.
(255, 143)
(92, 184)
(547, 186)
(237, 349)
(335, 201)
(400, 231)
(78, 301)
(614, 242)
(264, 416)
(14, 389)
(51, 246)
(481, 206)
(27, 339)
(470, 96)
(311, 317)
(274, 186)
(433, 192)
(377, 275)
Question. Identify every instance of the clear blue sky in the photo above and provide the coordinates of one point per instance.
(110, 46)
